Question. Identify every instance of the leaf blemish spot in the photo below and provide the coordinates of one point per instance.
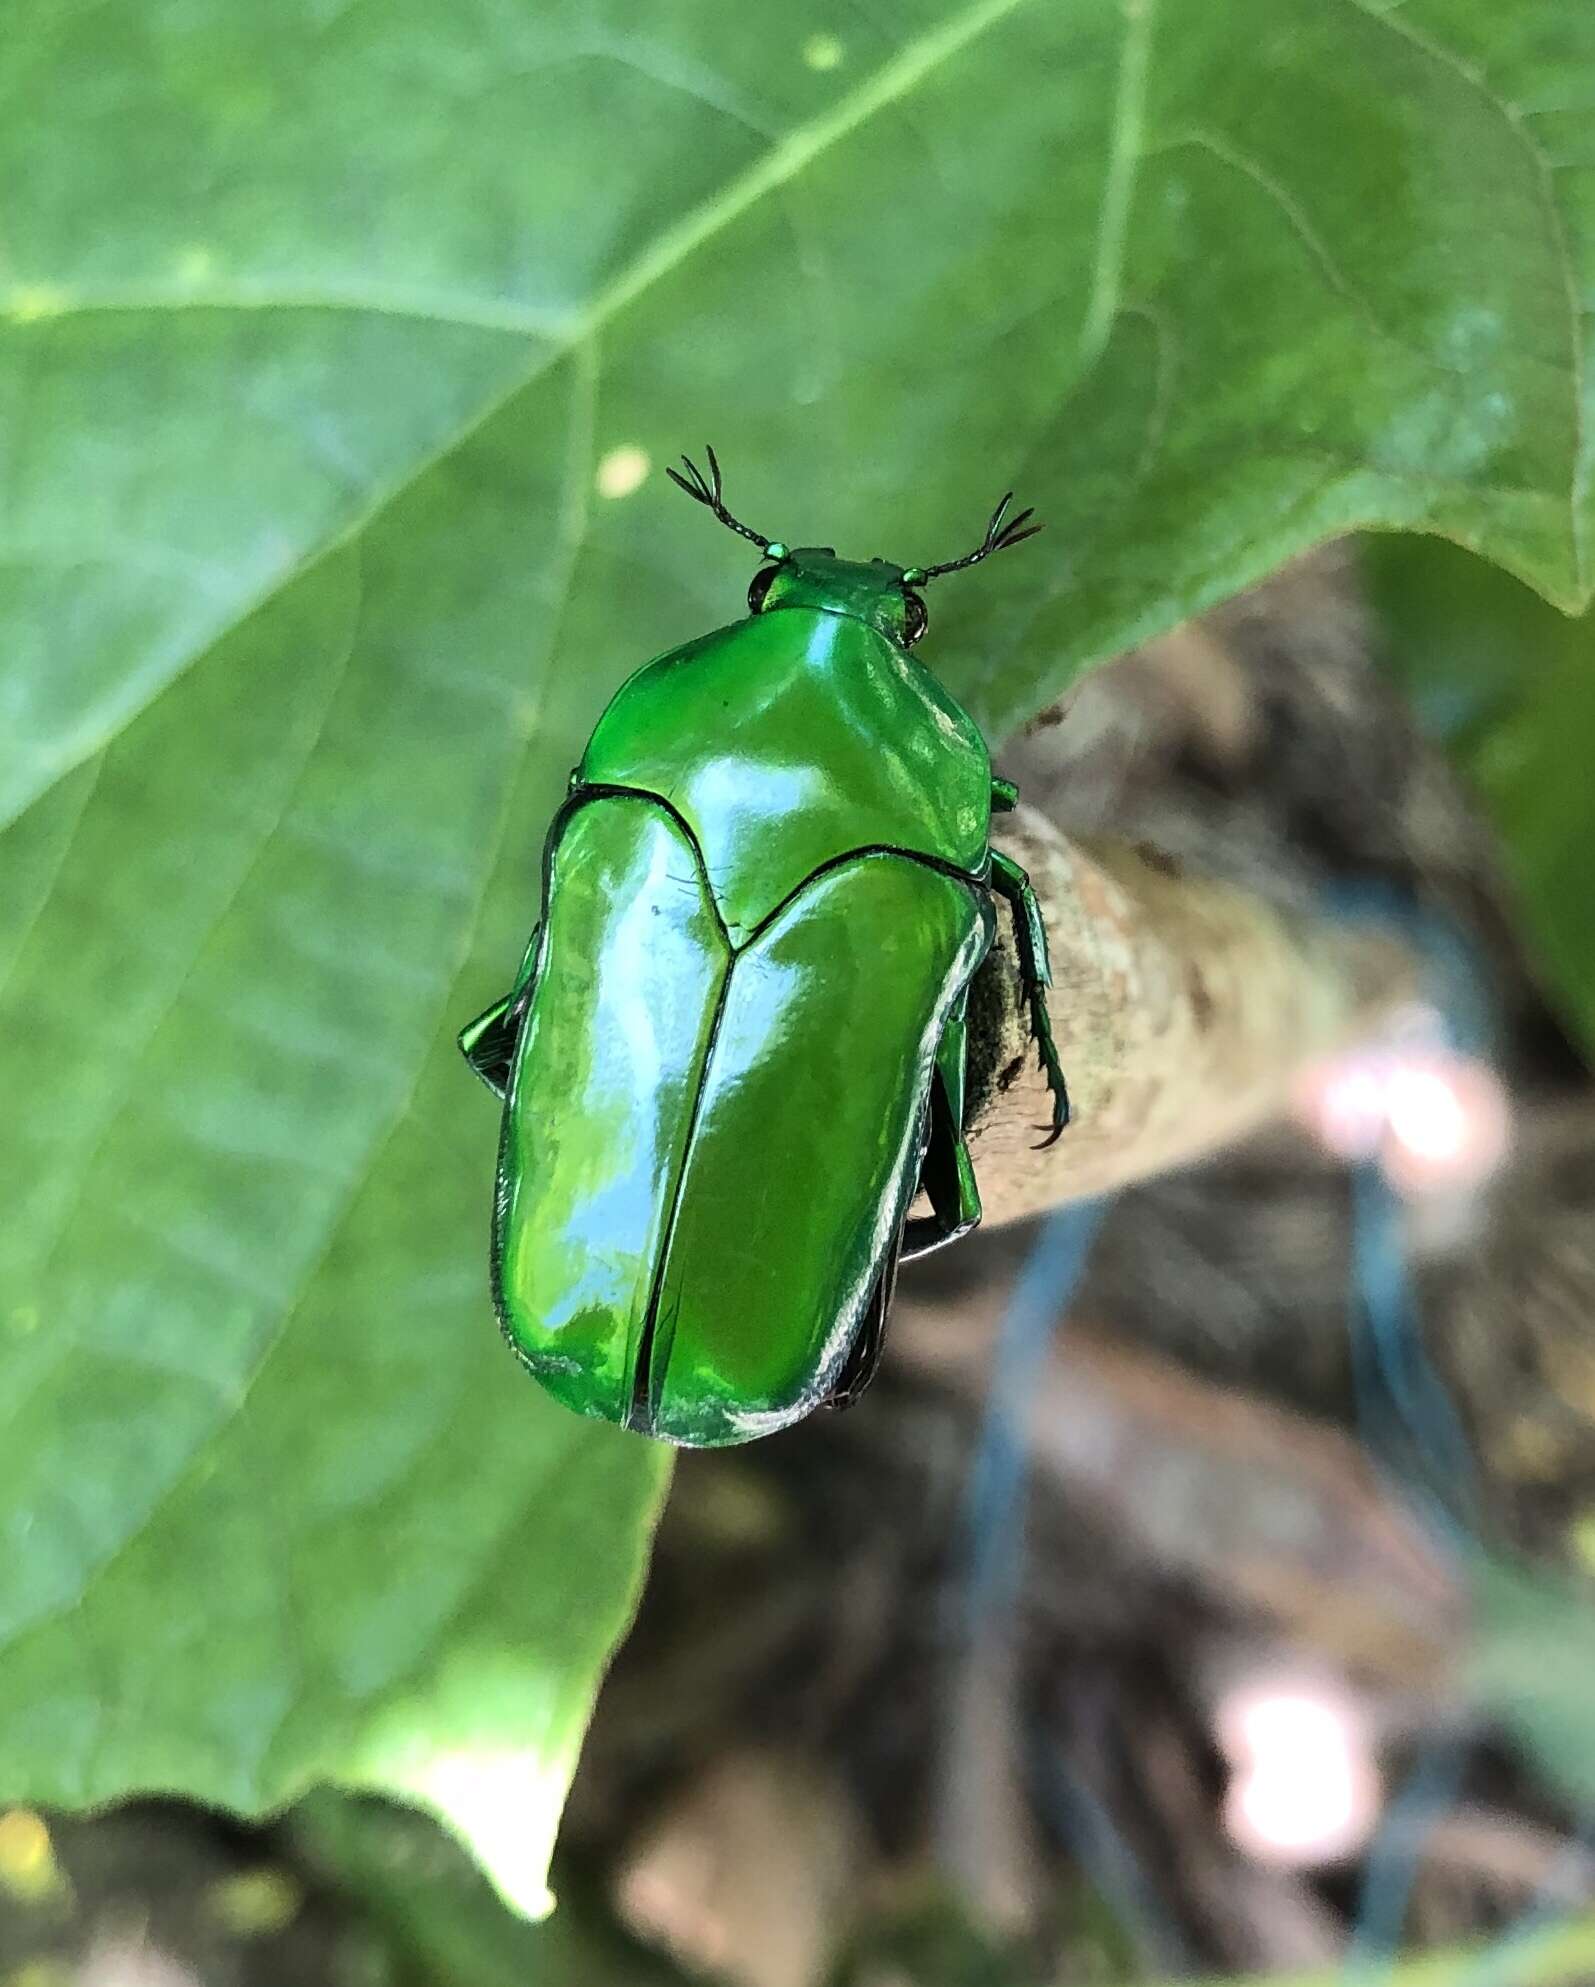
(822, 52)
(195, 264)
(623, 470)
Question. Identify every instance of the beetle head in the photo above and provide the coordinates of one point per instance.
(813, 576)
(885, 596)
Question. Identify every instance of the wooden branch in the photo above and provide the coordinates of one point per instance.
(1183, 1009)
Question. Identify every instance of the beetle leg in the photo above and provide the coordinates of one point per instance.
(948, 1176)
(1004, 795)
(947, 1172)
(1010, 881)
(488, 1042)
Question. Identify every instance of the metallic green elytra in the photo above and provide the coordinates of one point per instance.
(735, 1046)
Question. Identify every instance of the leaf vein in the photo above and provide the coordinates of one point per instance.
(1125, 151)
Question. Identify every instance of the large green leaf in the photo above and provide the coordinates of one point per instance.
(324, 331)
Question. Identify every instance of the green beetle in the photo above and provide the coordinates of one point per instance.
(735, 1046)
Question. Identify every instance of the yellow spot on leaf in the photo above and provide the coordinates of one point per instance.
(195, 264)
(823, 51)
(623, 470)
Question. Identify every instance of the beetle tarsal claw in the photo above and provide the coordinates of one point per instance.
(1047, 1061)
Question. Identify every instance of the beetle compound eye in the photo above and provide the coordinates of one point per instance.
(915, 619)
(760, 587)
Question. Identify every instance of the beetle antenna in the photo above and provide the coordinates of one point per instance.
(707, 491)
(999, 537)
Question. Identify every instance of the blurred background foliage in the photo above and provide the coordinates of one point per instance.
(1509, 685)
(341, 350)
